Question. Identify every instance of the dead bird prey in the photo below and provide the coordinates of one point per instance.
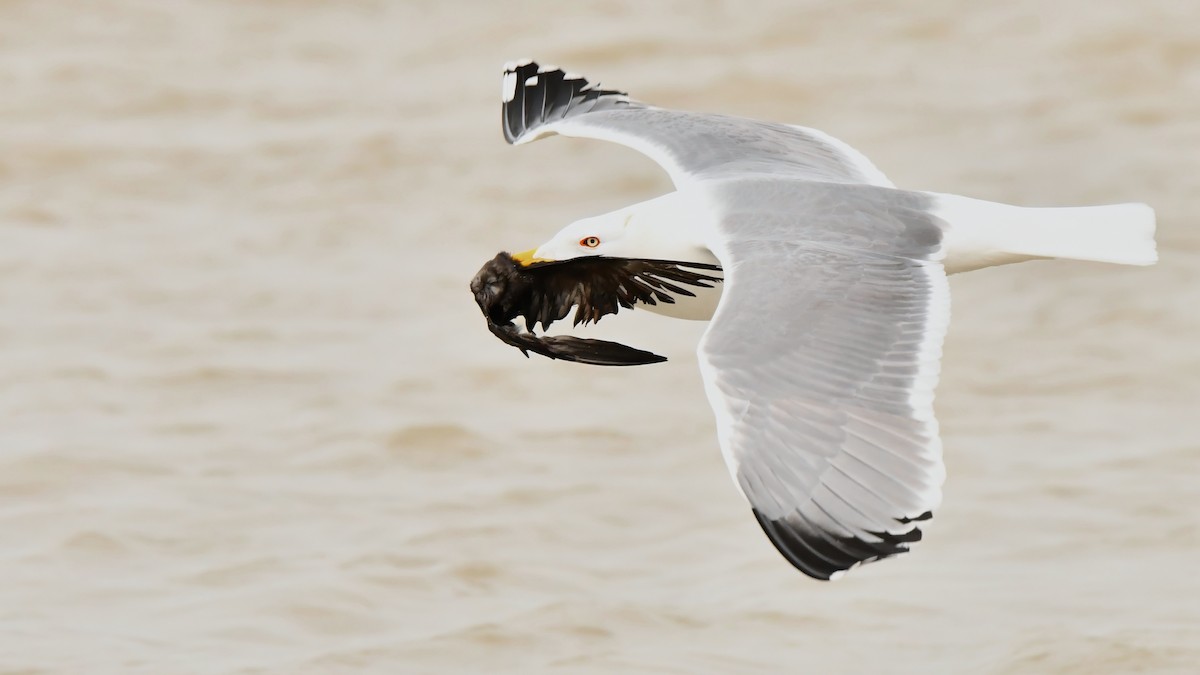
(545, 292)
(826, 337)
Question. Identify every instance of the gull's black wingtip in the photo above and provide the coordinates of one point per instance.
(533, 95)
(825, 556)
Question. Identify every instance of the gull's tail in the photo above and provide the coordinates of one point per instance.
(982, 234)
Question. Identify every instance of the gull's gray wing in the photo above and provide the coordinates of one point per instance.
(821, 362)
(540, 101)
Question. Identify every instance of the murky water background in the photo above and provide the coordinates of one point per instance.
(251, 420)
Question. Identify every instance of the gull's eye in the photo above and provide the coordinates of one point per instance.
(589, 242)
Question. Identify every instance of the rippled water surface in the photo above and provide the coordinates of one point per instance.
(252, 421)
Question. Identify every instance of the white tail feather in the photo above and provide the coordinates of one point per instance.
(981, 233)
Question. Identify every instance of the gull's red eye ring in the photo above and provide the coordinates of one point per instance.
(589, 242)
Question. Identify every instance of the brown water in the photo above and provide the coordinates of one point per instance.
(252, 421)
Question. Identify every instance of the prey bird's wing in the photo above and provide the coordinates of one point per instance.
(821, 363)
(595, 286)
(540, 101)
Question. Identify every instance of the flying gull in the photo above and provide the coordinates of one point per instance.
(826, 290)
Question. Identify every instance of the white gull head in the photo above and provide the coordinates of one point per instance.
(669, 227)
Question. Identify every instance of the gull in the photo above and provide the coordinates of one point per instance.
(825, 287)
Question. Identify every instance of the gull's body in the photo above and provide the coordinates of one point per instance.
(823, 353)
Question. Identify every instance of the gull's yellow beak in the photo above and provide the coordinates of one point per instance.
(526, 258)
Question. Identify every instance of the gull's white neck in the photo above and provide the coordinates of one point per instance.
(674, 227)
(670, 227)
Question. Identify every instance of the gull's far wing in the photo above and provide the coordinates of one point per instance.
(540, 101)
(821, 362)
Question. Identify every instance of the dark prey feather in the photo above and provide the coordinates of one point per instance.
(543, 293)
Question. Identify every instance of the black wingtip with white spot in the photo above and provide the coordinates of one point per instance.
(535, 95)
(825, 556)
